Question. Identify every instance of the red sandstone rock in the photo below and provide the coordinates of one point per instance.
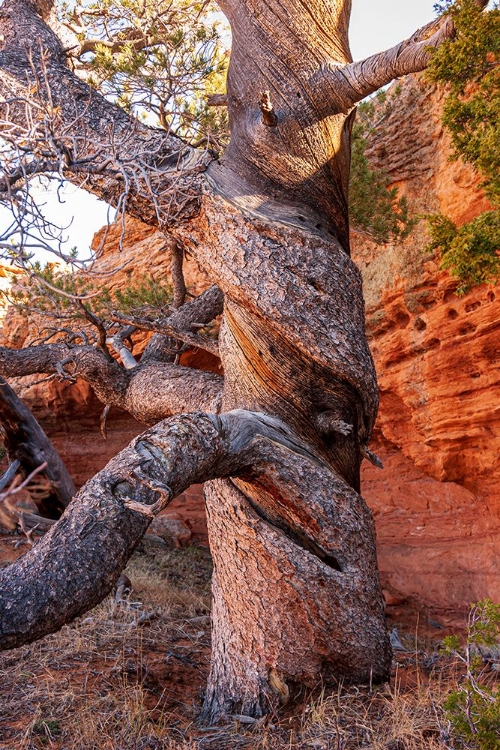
(172, 529)
(437, 502)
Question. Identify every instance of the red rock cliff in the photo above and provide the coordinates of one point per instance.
(437, 502)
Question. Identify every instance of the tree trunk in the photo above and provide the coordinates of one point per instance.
(296, 591)
(296, 599)
(293, 601)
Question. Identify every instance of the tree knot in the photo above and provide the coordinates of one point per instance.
(269, 116)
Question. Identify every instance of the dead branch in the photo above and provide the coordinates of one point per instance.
(165, 328)
(26, 442)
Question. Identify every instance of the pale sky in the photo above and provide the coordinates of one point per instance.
(375, 26)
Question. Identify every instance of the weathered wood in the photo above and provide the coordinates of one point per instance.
(78, 561)
(296, 591)
(27, 443)
(153, 390)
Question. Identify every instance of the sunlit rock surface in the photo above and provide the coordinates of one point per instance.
(437, 502)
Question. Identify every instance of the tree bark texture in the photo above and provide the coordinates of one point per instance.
(296, 591)
(27, 443)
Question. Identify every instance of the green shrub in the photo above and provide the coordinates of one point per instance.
(473, 709)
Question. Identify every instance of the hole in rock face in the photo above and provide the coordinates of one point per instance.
(491, 296)
(433, 343)
(428, 304)
(402, 319)
(420, 324)
(449, 295)
(468, 328)
(453, 314)
(475, 375)
(471, 306)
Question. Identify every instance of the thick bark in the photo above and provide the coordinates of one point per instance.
(27, 443)
(76, 564)
(149, 392)
(118, 158)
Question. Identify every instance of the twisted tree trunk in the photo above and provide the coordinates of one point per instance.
(296, 590)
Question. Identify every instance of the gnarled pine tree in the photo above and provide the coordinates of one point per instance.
(280, 438)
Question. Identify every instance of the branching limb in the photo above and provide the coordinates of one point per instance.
(349, 84)
(167, 329)
(107, 377)
(77, 562)
(150, 391)
(199, 311)
(355, 81)
(57, 122)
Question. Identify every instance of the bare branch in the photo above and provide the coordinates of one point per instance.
(9, 475)
(103, 526)
(177, 274)
(151, 391)
(77, 133)
(353, 82)
(126, 356)
(217, 100)
(15, 488)
(166, 328)
(26, 442)
(201, 310)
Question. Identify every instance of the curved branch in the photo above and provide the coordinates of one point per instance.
(157, 390)
(94, 142)
(202, 310)
(108, 379)
(76, 564)
(167, 329)
(151, 391)
(118, 45)
(353, 82)
(359, 79)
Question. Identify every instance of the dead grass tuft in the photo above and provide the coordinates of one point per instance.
(130, 676)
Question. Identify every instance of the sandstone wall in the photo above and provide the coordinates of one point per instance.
(437, 502)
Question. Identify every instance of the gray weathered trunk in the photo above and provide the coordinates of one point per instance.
(296, 591)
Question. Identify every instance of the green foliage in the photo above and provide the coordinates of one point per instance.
(143, 296)
(469, 66)
(158, 58)
(473, 709)
(471, 252)
(61, 296)
(375, 209)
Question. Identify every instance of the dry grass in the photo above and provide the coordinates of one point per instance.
(131, 676)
